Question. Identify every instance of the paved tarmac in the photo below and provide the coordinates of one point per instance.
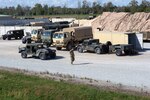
(127, 70)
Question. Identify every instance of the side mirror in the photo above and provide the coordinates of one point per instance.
(65, 36)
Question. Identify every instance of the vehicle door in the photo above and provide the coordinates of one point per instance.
(91, 45)
(28, 49)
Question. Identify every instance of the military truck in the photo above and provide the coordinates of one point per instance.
(36, 35)
(47, 37)
(39, 36)
(93, 45)
(71, 37)
(13, 34)
(37, 50)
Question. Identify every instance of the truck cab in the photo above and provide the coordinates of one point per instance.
(61, 39)
(47, 36)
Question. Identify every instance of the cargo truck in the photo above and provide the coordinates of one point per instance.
(71, 37)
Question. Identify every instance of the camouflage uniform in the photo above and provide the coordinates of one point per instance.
(72, 56)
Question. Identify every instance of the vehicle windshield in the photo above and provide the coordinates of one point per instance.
(58, 35)
(34, 32)
(46, 33)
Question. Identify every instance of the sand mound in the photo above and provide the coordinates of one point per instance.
(122, 22)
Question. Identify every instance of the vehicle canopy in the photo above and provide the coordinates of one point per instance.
(78, 32)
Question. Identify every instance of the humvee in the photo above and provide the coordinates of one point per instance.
(37, 50)
(13, 34)
(92, 45)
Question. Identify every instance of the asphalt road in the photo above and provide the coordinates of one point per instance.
(127, 70)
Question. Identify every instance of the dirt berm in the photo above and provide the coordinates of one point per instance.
(122, 22)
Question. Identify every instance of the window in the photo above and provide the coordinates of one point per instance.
(46, 33)
(58, 35)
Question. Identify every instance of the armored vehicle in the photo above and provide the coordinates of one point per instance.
(37, 50)
(92, 45)
(13, 34)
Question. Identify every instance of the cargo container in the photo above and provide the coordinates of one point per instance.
(121, 38)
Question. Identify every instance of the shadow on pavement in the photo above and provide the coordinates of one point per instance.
(57, 57)
(83, 64)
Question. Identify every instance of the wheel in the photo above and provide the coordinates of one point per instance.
(119, 52)
(80, 49)
(42, 56)
(4, 38)
(23, 54)
(69, 46)
(53, 56)
(98, 50)
(58, 48)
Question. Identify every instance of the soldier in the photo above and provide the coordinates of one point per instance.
(72, 56)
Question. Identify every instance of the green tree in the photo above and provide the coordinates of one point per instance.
(96, 7)
(144, 6)
(37, 9)
(133, 6)
(45, 9)
(85, 7)
(19, 11)
(109, 7)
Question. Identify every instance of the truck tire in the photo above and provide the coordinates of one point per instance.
(42, 56)
(4, 38)
(58, 48)
(98, 50)
(23, 54)
(80, 49)
(119, 52)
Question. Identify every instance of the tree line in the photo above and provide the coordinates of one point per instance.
(84, 7)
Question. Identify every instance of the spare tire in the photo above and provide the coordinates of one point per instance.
(24, 40)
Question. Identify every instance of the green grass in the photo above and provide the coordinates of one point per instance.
(15, 86)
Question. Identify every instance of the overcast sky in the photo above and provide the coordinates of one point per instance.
(69, 3)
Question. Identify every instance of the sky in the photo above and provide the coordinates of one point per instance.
(69, 3)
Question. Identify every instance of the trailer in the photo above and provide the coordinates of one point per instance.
(120, 38)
